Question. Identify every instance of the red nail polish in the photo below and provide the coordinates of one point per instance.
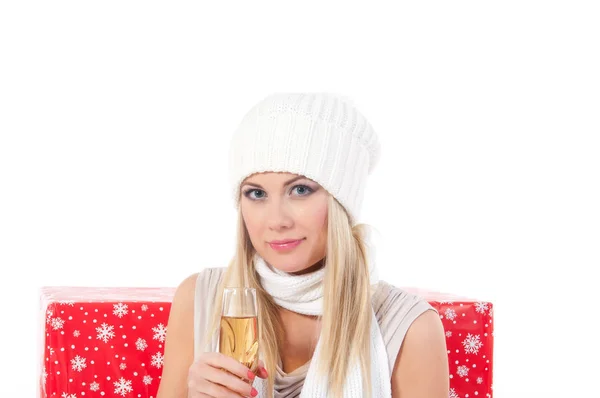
(254, 393)
(251, 375)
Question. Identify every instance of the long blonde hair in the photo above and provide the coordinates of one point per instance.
(346, 319)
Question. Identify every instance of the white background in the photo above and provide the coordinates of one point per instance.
(115, 119)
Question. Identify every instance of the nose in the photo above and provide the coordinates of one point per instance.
(279, 216)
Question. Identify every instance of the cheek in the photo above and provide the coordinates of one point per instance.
(252, 223)
(315, 219)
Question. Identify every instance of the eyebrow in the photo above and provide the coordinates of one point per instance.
(285, 185)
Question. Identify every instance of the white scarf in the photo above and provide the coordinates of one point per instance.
(304, 294)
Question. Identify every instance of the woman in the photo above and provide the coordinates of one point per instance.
(327, 326)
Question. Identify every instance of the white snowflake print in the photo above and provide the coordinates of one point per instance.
(57, 323)
(105, 332)
(453, 394)
(481, 307)
(76, 333)
(78, 363)
(65, 395)
(157, 360)
(472, 344)
(141, 344)
(94, 386)
(51, 351)
(44, 375)
(447, 302)
(120, 310)
(123, 386)
(122, 366)
(490, 313)
(160, 332)
(67, 302)
(144, 307)
(147, 379)
(479, 380)
(49, 314)
(450, 314)
(462, 371)
(449, 333)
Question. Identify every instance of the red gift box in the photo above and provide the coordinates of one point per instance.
(470, 341)
(101, 342)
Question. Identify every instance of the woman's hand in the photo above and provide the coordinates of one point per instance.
(216, 375)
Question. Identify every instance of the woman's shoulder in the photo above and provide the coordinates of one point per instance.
(396, 309)
(387, 297)
(203, 280)
(209, 278)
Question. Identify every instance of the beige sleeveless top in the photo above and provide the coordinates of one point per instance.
(395, 310)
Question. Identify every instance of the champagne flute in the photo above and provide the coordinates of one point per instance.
(238, 335)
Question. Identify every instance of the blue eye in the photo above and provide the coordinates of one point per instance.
(303, 190)
(248, 192)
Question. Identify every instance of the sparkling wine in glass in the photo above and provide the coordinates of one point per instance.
(238, 336)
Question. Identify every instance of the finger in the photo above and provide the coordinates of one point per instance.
(215, 390)
(218, 360)
(262, 372)
(228, 380)
(212, 390)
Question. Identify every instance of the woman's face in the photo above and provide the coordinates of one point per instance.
(286, 217)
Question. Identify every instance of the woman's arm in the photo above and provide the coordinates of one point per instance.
(421, 368)
(179, 342)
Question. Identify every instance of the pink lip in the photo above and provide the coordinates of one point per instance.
(282, 245)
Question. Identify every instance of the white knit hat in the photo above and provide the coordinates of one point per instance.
(321, 136)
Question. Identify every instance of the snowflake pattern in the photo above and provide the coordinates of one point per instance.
(472, 344)
(141, 344)
(57, 323)
(123, 386)
(453, 394)
(157, 360)
(70, 303)
(479, 380)
(160, 332)
(462, 371)
(481, 307)
(49, 314)
(105, 332)
(450, 314)
(78, 363)
(449, 333)
(120, 310)
(102, 347)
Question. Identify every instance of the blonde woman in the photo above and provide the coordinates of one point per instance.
(327, 326)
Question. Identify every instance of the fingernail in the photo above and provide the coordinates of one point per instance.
(251, 375)
(254, 393)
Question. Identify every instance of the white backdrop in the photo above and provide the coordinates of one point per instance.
(115, 120)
